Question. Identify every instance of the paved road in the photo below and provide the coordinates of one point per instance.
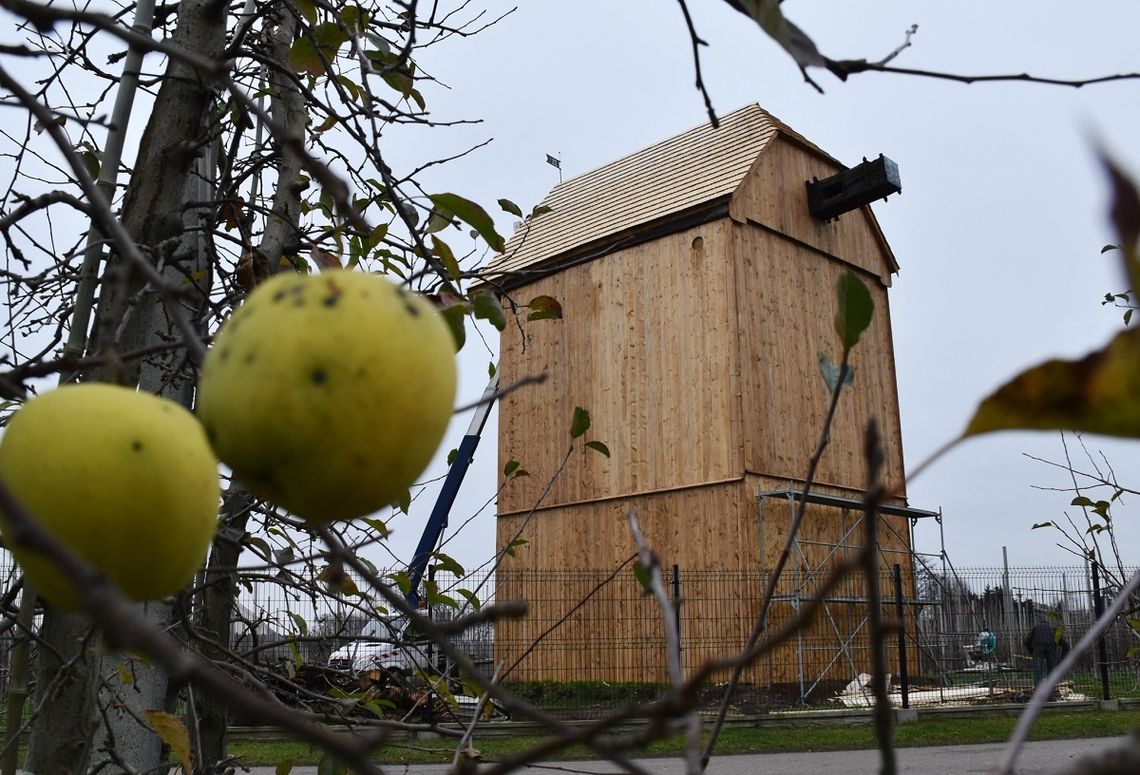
(1037, 758)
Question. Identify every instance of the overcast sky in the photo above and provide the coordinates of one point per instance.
(998, 230)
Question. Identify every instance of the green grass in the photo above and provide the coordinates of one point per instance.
(737, 740)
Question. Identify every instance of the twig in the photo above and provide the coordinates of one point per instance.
(697, 42)
(530, 379)
(102, 215)
(469, 733)
(785, 554)
(509, 700)
(869, 559)
(652, 566)
(1049, 684)
(125, 627)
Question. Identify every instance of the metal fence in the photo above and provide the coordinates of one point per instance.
(593, 640)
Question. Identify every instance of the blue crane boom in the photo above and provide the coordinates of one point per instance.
(437, 522)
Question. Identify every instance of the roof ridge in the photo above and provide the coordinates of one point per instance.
(704, 125)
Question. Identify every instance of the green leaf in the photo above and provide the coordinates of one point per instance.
(447, 563)
(581, 422)
(1107, 248)
(355, 18)
(487, 307)
(1128, 316)
(511, 466)
(172, 732)
(471, 598)
(510, 207)
(378, 525)
(91, 162)
(456, 318)
(641, 573)
(260, 547)
(436, 598)
(540, 210)
(405, 502)
(446, 257)
(515, 544)
(472, 214)
(452, 456)
(402, 581)
(1081, 500)
(300, 623)
(855, 309)
(544, 308)
(309, 53)
(307, 9)
(1041, 524)
(599, 447)
(284, 767)
(491, 370)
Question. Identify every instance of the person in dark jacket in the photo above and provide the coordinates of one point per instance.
(1045, 642)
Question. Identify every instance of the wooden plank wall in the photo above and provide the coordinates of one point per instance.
(774, 194)
(647, 346)
(700, 527)
(787, 302)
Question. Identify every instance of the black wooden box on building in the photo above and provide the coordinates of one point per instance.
(851, 189)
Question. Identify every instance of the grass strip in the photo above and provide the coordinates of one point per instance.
(739, 740)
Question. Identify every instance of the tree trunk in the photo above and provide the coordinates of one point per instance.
(67, 680)
(217, 612)
(132, 687)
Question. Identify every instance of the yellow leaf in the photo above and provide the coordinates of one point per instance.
(173, 733)
(1099, 393)
(126, 677)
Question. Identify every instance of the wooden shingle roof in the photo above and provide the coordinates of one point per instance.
(685, 171)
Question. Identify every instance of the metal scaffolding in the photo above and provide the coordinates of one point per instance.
(805, 575)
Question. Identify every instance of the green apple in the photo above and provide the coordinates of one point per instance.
(328, 394)
(125, 479)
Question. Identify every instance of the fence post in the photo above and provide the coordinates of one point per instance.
(1101, 648)
(677, 606)
(904, 678)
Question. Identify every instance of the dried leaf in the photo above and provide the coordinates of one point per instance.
(1125, 215)
(544, 308)
(173, 733)
(1099, 393)
(791, 38)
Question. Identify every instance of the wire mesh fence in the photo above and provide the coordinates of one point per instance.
(594, 640)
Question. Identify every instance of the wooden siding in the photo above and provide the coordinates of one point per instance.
(710, 527)
(774, 195)
(647, 345)
(704, 529)
(786, 300)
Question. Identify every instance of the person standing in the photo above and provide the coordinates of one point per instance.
(1046, 644)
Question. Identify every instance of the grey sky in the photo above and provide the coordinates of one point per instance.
(998, 229)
